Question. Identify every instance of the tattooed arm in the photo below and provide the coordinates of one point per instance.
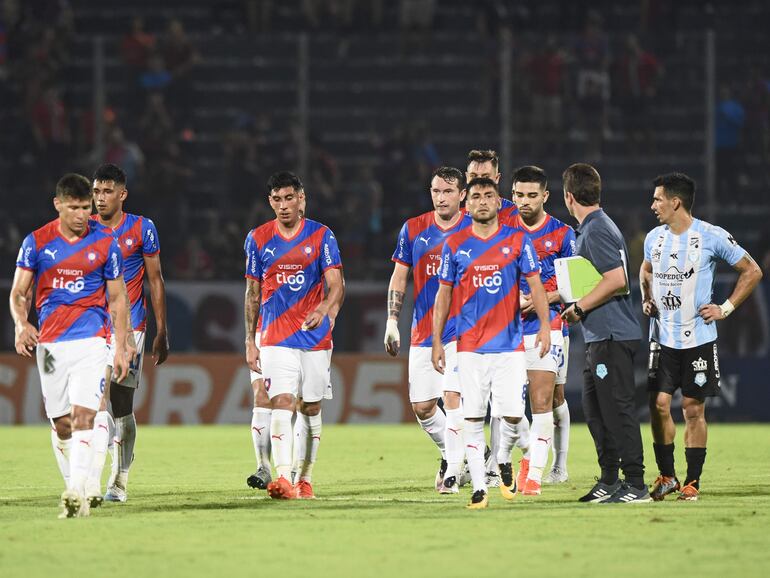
(251, 305)
(396, 292)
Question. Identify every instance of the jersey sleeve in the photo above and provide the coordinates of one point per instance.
(448, 273)
(253, 262)
(27, 258)
(113, 268)
(604, 250)
(568, 243)
(150, 241)
(726, 247)
(330, 252)
(528, 263)
(648, 246)
(403, 252)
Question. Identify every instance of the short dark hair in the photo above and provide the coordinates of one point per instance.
(110, 172)
(677, 185)
(584, 182)
(483, 182)
(486, 156)
(283, 179)
(450, 175)
(74, 186)
(530, 174)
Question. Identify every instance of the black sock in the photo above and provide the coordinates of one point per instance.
(609, 477)
(664, 456)
(695, 458)
(635, 481)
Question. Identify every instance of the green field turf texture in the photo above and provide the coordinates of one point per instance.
(191, 514)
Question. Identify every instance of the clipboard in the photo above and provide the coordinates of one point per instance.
(576, 277)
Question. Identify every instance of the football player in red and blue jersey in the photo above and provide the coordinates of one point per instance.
(485, 164)
(481, 268)
(288, 262)
(419, 249)
(71, 265)
(139, 244)
(552, 239)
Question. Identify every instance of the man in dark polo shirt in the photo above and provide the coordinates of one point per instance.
(612, 335)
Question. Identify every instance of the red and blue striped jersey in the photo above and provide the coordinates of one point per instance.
(419, 247)
(485, 274)
(137, 237)
(70, 280)
(552, 240)
(291, 272)
(508, 213)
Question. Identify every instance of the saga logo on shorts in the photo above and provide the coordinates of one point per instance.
(492, 283)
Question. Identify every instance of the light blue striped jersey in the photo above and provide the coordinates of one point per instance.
(682, 280)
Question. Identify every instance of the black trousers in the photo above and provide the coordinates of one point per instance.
(608, 404)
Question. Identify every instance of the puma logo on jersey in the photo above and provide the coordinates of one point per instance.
(423, 239)
(50, 253)
(466, 253)
(271, 251)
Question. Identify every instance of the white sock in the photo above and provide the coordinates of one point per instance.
(455, 448)
(522, 428)
(80, 460)
(125, 438)
(473, 434)
(561, 422)
(507, 436)
(435, 427)
(281, 441)
(542, 434)
(300, 430)
(260, 435)
(311, 442)
(61, 451)
(494, 444)
(99, 442)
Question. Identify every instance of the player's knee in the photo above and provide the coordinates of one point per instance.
(310, 408)
(284, 401)
(512, 420)
(693, 412)
(424, 409)
(63, 426)
(82, 418)
(659, 406)
(452, 400)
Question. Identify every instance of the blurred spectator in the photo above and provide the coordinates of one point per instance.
(180, 56)
(124, 153)
(50, 125)
(636, 76)
(193, 261)
(137, 45)
(730, 120)
(757, 99)
(547, 74)
(157, 77)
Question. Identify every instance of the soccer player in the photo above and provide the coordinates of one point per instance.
(419, 248)
(676, 280)
(288, 260)
(138, 240)
(552, 239)
(71, 262)
(484, 264)
(485, 164)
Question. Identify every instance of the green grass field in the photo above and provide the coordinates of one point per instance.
(190, 514)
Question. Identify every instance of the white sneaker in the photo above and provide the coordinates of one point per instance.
(493, 480)
(70, 504)
(117, 490)
(555, 476)
(465, 476)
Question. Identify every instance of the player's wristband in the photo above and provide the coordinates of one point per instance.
(727, 308)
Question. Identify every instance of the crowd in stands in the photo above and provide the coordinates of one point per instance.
(580, 88)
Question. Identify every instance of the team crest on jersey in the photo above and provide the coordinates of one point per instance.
(506, 250)
(92, 256)
(308, 249)
(548, 244)
(129, 242)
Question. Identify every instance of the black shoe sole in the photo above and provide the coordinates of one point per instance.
(256, 483)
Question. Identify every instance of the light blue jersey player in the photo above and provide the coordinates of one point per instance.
(676, 280)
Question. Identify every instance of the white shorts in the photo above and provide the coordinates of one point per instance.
(425, 383)
(501, 375)
(134, 376)
(551, 360)
(299, 372)
(72, 373)
(255, 375)
(561, 376)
